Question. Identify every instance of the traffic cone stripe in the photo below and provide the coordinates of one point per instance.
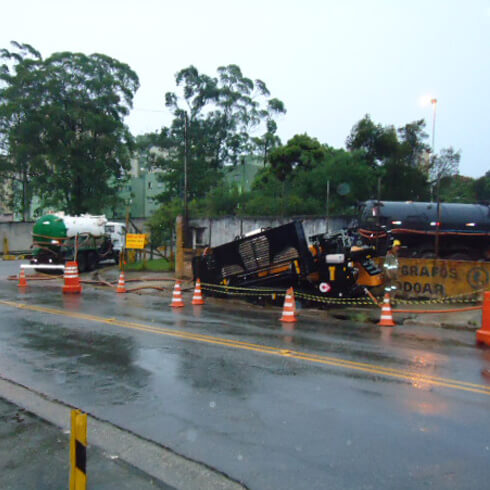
(197, 298)
(177, 300)
(386, 318)
(22, 279)
(71, 277)
(121, 285)
(289, 308)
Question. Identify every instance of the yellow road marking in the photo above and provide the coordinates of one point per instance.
(406, 375)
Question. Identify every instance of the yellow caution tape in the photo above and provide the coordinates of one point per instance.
(470, 297)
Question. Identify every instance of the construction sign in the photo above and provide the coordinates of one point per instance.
(136, 241)
(438, 278)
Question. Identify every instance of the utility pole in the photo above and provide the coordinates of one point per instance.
(186, 207)
(378, 204)
(328, 202)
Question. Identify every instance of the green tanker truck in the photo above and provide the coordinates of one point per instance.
(88, 239)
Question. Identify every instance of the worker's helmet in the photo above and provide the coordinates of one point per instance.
(397, 243)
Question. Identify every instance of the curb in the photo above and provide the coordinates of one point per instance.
(147, 456)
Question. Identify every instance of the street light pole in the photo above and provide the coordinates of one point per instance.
(438, 178)
(434, 103)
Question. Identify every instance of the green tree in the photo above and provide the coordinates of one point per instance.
(262, 145)
(300, 153)
(215, 119)
(383, 143)
(350, 178)
(402, 182)
(377, 142)
(266, 195)
(482, 188)
(457, 188)
(20, 123)
(223, 200)
(302, 189)
(445, 164)
(203, 169)
(74, 122)
(162, 223)
(412, 143)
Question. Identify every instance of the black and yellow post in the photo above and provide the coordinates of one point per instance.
(78, 451)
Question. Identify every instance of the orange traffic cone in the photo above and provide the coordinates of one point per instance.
(483, 335)
(121, 285)
(289, 308)
(386, 319)
(22, 279)
(177, 300)
(72, 280)
(197, 298)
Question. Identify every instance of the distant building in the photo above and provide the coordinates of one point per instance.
(243, 174)
(140, 190)
(139, 193)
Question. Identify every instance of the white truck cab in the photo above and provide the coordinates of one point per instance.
(117, 232)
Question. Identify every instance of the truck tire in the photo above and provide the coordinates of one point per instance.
(91, 261)
(82, 262)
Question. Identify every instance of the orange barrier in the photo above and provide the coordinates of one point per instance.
(386, 319)
(483, 335)
(289, 308)
(177, 300)
(72, 280)
(197, 298)
(121, 285)
(22, 279)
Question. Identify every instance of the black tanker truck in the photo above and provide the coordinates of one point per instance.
(461, 230)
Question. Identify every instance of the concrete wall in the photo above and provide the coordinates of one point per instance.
(19, 236)
(205, 231)
(214, 232)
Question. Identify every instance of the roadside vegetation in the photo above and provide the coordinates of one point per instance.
(153, 265)
(63, 140)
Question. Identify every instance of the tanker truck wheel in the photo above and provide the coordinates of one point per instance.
(91, 261)
(82, 262)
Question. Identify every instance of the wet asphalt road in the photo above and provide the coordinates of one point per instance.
(270, 421)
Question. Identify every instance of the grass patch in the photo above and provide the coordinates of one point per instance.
(156, 265)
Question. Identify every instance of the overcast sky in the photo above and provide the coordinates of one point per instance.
(330, 62)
